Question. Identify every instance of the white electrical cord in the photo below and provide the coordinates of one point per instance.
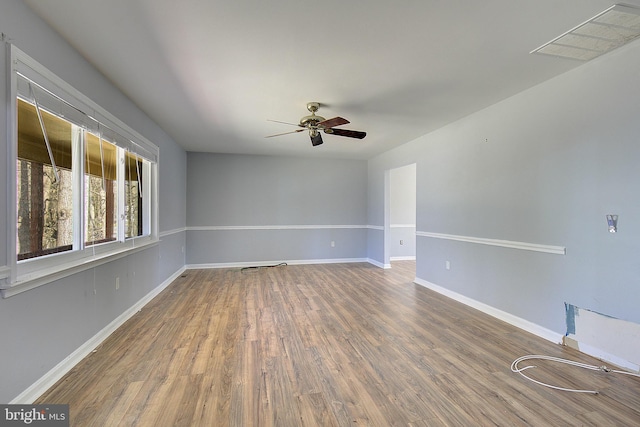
(514, 368)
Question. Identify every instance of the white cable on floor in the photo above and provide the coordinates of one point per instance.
(514, 368)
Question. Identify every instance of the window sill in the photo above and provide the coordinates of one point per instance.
(42, 277)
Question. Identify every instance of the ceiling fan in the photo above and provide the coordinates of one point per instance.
(316, 124)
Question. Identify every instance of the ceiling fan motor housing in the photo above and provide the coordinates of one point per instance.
(312, 120)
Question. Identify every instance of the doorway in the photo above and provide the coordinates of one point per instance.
(400, 214)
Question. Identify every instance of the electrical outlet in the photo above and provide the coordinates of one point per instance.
(401, 242)
(117, 283)
(447, 265)
(333, 244)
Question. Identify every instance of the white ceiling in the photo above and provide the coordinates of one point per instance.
(212, 72)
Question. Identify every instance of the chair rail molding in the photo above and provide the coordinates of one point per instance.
(550, 249)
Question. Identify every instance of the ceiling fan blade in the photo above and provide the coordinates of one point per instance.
(284, 123)
(285, 133)
(336, 121)
(316, 140)
(347, 133)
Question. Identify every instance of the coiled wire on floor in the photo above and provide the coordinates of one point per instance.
(516, 369)
(259, 267)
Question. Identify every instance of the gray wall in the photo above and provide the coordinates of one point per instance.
(43, 326)
(274, 194)
(542, 167)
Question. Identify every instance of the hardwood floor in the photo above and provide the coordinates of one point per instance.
(328, 345)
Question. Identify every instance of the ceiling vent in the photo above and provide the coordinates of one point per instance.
(606, 31)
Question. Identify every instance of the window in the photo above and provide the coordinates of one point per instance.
(100, 191)
(44, 183)
(85, 183)
(133, 196)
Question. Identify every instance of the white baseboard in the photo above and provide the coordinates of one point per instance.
(601, 355)
(378, 263)
(271, 263)
(403, 258)
(518, 322)
(50, 378)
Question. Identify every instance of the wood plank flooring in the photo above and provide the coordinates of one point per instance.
(328, 345)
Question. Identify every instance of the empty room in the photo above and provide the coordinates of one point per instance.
(232, 213)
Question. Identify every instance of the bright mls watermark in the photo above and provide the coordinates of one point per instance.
(34, 415)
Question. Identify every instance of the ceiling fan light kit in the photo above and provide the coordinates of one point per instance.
(315, 124)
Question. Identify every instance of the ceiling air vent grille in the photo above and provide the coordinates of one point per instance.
(606, 31)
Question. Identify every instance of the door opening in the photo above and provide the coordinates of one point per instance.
(400, 214)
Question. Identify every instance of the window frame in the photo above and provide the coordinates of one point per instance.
(30, 273)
